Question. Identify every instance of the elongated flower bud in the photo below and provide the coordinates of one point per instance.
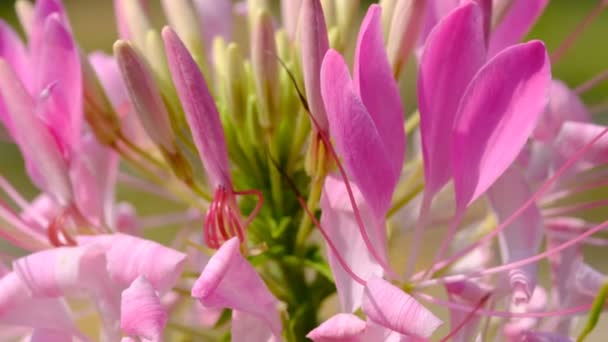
(405, 26)
(133, 23)
(289, 15)
(265, 68)
(388, 9)
(145, 95)
(182, 17)
(313, 46)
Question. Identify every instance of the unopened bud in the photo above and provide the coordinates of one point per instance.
(98, 110)
(133, 21)
(290, 10)
(145, 95)
(388, 9)
(405, 27)
(182, 17)
(346, 13)
(265, 68)
(314, 44)
(253, 8)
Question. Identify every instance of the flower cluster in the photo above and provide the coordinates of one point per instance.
(295, 194)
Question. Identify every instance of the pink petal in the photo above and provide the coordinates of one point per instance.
(216, 19)
(574, 135)
(471, 293)
(392, 308)
(41, 152)
(522, 238)
(564, 105)
(48, 335)
(60, 88)
(142, 313)
(229, 281)
(454, 52)
(435, 11)
(375, 85)
(313, 41)
(356, 137)
(341, 327)
(290, 11)
(130, 257)
(18, 307)
(248, 327)
(14, 52)
(201, 112)
(121, 19)
(521, 16)
(339, 220)
(497, 114)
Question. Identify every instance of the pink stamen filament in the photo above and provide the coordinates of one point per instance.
(569, 41)
(592, 83)
(467, 319)
(573, 191)
(544, 188)
(503, 314)
(567, 210)
(515, 264)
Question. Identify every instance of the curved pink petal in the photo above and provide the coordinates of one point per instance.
(454, 52)
(130, 257)
(522, 238)
(339, 220)
(142, 313)
(497, 114)
(564, 105)
(515, 328)
(375, 85)
(121, 17)
(340, 327)
(313, 44)
(15, 54)
(392, 308)
(357, 140)
(229, 281)
(435, 11)
(201, 112)
(43, 9)
(521, 16)
(60, 102)
(42, 155)
(248, 327)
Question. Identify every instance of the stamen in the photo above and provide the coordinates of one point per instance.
(467, 319)
(568, 210)
(569, 41)
(543, 188)
(590, 84)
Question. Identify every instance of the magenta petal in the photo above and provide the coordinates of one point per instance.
(392, 308)
(522, 238)
(130, 257)
(142, 313)
(339, 220)
(522, 14)
(357, 140)
(341, 327)
(201, 112)
(229, 281)
(374, 83)
(39, 148)
(14, 52)
(454, 52)
(60, 88)
(497, 114)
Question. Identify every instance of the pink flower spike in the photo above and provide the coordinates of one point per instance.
(341, 327)
(229, 281)
(313, 42)
(142, 313)
(522, 238)
(201, 112)
(454, 52)
(60, 102)
(41, 152)
(339, 218)
(357, 139)
(375, 85)
(388, 306)
(522, 14)
(496, 117)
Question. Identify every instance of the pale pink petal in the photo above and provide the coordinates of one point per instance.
(290, 12)
(13, 51)
(248, 327)
(313, 44)
(375, 85)
(130, 257)
(471, 293)
(41, 152)
(201, 112)
(454, 52)
(60, 89)
(574, 135)
(392, 308)
(497, 114)
(216, 19)
(126, 219)
(339, 220)
(564, 105)
(356, 137)
(48, 335)
(229, 281)
(142, 313)
(515, 329)
(340, 327)
(521, 16)
(522, 238)
(42, 210)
